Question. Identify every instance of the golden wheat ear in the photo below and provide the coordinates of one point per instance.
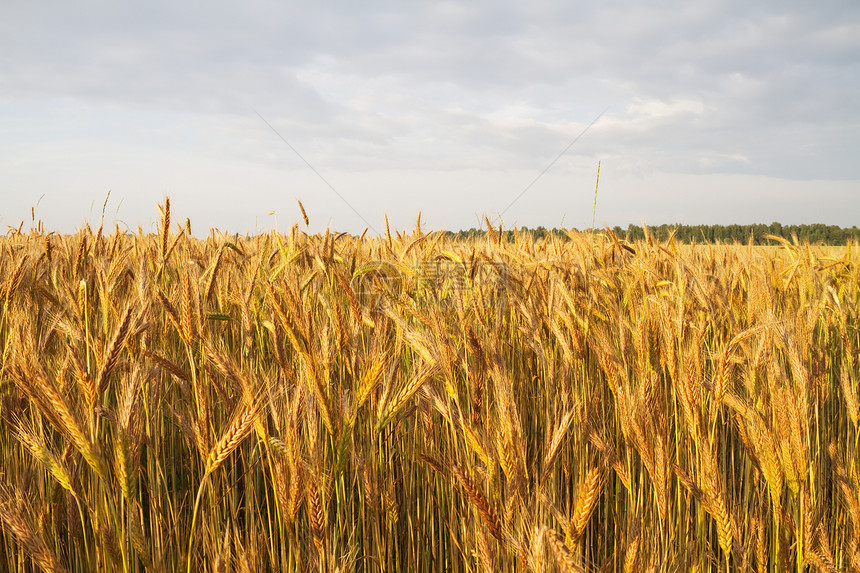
(111, 355)
(41, 451)
(15, 514)
(233, 436)
(485, 510)
(304, 215)
(165, 228)
(236, 432)
(590, 490)
(563, 554)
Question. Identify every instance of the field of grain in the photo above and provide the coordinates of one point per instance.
(287, 402)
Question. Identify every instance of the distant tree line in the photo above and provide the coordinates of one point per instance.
(757, 234)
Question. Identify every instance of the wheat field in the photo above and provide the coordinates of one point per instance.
(296, 402)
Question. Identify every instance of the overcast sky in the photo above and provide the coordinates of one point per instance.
(713, 112)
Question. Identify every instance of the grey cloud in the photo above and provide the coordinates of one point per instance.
(768, 88)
